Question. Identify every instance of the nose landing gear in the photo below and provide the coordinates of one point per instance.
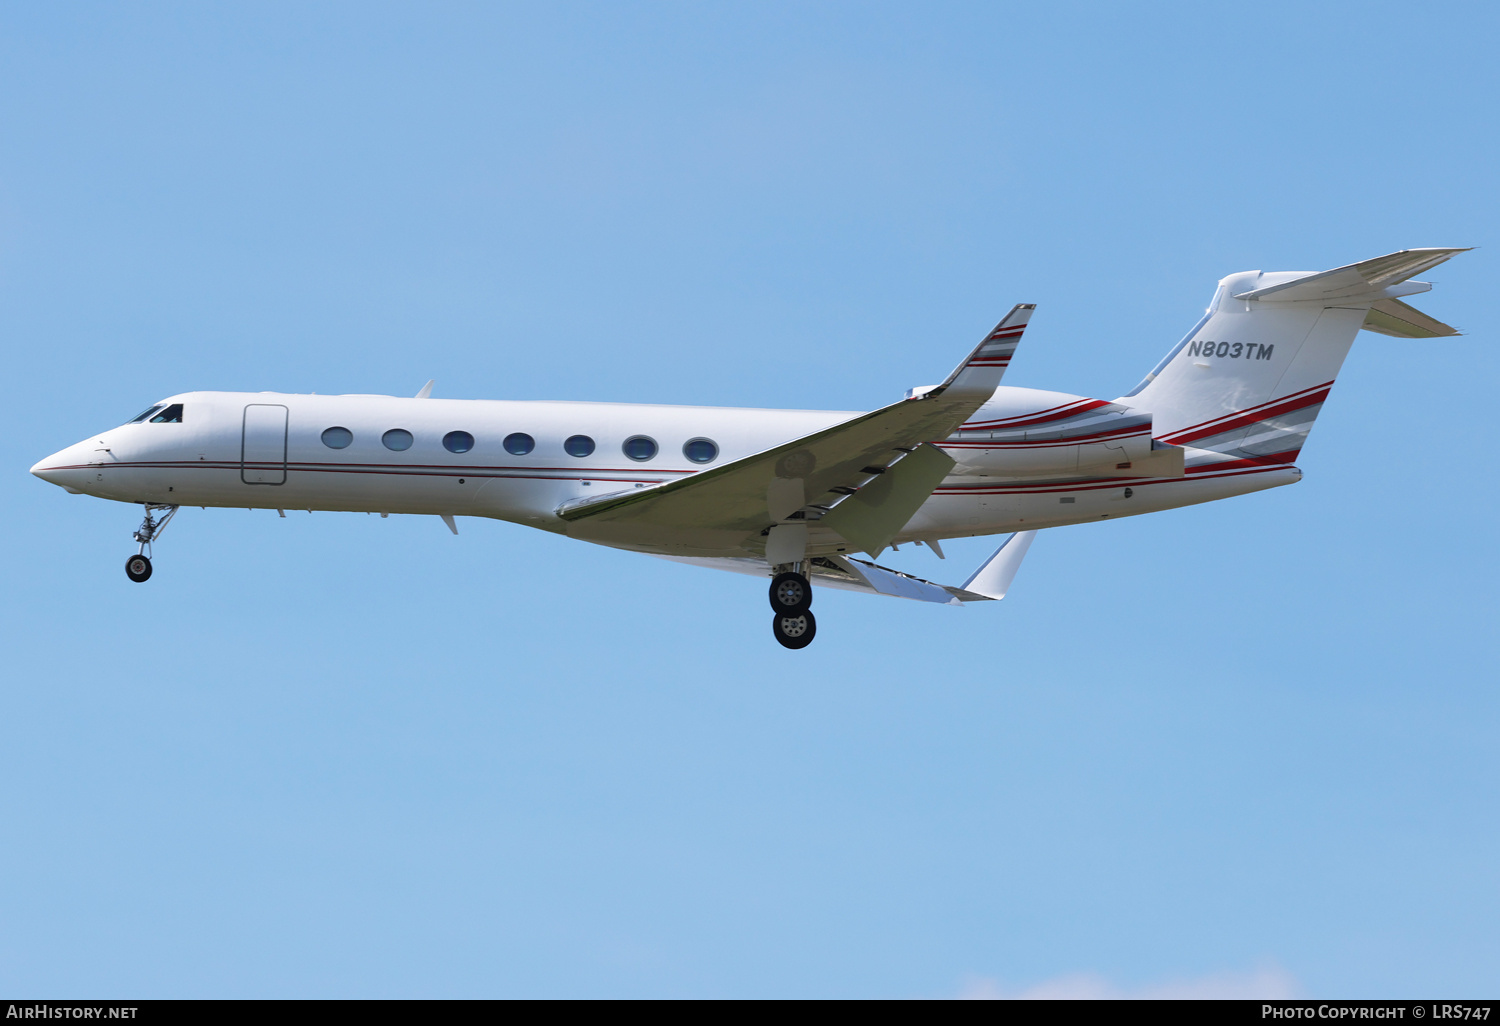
(791, 596)
(138, 567)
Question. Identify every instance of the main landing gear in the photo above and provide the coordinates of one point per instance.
(793, 623)
(138, 567)
(794, 631)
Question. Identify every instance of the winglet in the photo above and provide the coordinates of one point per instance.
(993, 579)
(982, 371)
(426, 392)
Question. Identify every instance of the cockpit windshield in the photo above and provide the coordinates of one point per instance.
(144, 414)
(161, 413)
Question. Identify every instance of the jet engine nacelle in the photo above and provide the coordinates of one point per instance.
(1031, 434)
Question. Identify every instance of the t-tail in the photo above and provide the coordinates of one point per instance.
(1248, 381)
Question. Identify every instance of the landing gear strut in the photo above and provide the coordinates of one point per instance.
(791, 596)
(138, 567)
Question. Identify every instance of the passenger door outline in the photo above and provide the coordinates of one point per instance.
(263, 437)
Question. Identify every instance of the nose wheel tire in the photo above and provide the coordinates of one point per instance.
(791, 595)
(794, 631)
(138, 569)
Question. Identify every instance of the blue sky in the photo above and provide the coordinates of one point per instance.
(1241, 747)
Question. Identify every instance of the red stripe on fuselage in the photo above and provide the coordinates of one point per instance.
(1250, 415)
(1041, 417)
(1246, 419)
(1049, 443)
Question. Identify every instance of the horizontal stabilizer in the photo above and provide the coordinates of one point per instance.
(1393, 317)
(1364, 280)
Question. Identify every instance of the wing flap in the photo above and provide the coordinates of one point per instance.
(885, 581)
(876, 513)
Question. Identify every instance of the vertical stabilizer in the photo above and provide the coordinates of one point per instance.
(1250, 378)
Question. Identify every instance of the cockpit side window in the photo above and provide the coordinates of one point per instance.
(171, 415)
(144, 414)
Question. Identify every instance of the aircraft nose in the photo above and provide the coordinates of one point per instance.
(60, 469)
(47, 469)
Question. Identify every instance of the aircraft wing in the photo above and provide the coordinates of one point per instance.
(748, 494)
(990, 582)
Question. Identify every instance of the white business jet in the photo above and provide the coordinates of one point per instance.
(792, 494)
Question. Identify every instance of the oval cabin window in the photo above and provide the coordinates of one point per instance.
(640, 448)
(701, 450)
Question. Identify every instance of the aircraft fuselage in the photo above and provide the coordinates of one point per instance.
(267, 450)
